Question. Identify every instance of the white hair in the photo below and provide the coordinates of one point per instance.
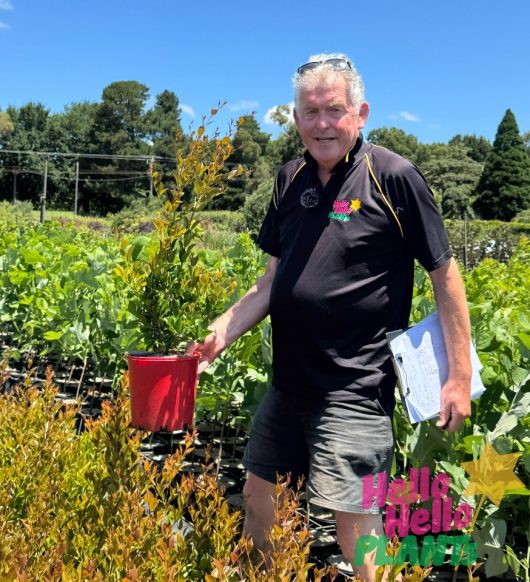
(326, 74)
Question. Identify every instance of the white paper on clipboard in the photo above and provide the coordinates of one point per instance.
(420, 361)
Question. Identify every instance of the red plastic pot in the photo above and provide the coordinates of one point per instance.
(163, 390)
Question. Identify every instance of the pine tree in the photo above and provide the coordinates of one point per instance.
(504, 187)
(250, 145)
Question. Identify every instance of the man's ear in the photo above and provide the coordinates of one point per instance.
(295, 115)
(364, 110)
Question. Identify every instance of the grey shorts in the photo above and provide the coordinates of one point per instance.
(333, 444)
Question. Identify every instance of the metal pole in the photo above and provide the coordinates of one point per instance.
(76, 187)
(14, 186)
(152, 161)
(43, 197)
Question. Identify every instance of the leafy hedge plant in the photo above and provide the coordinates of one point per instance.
(138, 216)
(256, 206)
(19, 212)
(172, 294)
(87, 507)
(523, 216)
(486, 239)
(61, 298)
(58, 296)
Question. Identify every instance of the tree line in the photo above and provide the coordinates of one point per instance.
(469, 175)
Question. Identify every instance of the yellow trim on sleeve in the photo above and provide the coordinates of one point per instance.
(297, 170)
(370, 169)
(276, 194)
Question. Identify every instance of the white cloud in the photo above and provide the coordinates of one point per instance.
(244, 105)
(409, 116)
(187, 109)
(5, 5)
(267, 117)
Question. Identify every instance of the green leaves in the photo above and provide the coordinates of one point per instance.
(490, 539)
(60, 295)
(53, 335)
(174, 294)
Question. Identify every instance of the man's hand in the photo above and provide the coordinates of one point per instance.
(209, 350)
(455, 405)
(455, 401)
(241, 317)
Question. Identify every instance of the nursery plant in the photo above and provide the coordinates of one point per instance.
(173, 293)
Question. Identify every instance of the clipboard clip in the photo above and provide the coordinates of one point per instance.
(402, 375)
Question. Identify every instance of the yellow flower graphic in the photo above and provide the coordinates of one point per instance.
(355, 205)
(492, 474)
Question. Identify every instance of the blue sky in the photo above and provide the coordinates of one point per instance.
(432, 68)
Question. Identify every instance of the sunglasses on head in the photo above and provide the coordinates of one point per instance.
(337, 64)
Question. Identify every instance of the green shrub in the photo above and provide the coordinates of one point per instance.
(523, 216)
(222, 229)
(93, 223)
(173, 295)
(138, 216)
(256, 206)
(89, 508)
(16, 212)
(485, 239)
(231, 220)
(60, 297)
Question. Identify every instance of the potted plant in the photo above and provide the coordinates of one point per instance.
(174, 294)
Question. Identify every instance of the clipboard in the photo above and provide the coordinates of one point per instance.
(397, 362)
(420, 362)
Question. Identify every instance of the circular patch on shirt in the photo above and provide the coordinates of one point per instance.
(309, 198)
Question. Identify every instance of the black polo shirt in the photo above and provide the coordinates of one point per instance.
(345, 274)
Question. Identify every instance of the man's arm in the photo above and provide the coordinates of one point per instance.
(241, 317)
(451, 303)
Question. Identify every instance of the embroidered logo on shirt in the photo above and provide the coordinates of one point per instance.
(355, 205)
(309, 198)
(343, 208)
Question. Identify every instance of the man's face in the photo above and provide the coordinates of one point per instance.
(328, 122)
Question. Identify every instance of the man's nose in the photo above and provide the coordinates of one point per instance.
(322, 120)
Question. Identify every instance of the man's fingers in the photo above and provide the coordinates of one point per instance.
(204, 361)
(443, 420)
(450, 420)
(203, 364)
(191, 348)
(456, 422)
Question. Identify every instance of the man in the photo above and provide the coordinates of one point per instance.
(343, 229)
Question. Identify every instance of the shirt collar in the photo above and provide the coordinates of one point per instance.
(348, 161)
